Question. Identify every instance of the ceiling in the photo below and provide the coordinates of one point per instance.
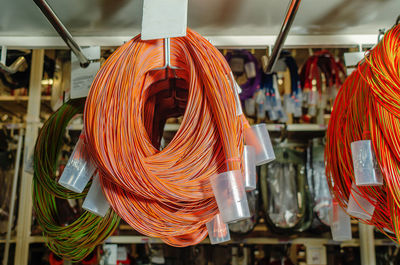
(209, 17)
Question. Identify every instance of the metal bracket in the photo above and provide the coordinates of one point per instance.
(15, 66)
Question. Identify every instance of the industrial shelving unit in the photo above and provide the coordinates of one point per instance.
(23, 237)
(257, 34)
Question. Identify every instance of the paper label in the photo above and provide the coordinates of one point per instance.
(316, 255)
(352, 58)
(82, 78)
(28, 166)
(111, 253)
(250, 69)
(164, 19)
(122, 254)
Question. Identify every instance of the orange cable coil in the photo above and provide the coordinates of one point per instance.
(165, 194)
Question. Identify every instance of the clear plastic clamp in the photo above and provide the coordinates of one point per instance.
(218, 231)
(79, 169)
(230, 194)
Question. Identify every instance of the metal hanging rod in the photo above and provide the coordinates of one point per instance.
(280, 40)
(62, 31)
(15, 66)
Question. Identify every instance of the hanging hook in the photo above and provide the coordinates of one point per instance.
(15, 66)
(287, 23)
(167, 58)
(380, 34)
(62, 31)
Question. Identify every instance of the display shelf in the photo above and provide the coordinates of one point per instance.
(250, 241)
(11, 126)
(172, 127)
(3, 240)
(306, 127)
(17, 105)
(8, 98)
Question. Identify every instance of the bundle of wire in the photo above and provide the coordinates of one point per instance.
(368, 108)
(167, 193)
(76, 240)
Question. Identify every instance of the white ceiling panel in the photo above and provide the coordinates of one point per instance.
(209, 17)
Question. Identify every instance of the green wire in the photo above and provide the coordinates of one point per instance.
(77, 240)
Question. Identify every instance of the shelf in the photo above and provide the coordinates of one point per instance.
(172, 127)
(11, 126)
(3, 240)
(248, 241)
(6, 98)
(306, 128)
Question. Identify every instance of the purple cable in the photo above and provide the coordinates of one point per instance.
(252, 84)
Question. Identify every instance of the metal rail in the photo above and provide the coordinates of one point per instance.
(62, 31)
(280, 40)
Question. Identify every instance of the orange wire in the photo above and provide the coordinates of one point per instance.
(165, 194)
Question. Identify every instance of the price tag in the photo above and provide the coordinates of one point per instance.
(82, 78)
(164, 19)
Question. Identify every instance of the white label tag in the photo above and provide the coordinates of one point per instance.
(352, 58)
(122, 254)
(164, 19)
(28, 166)
(250, 69)
(111, 253)
(237, 64)
(316, 255)
(82, 78)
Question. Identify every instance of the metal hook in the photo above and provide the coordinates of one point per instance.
(380, 34)
(15, 66)
(62, 31)
(167, 57)
(287, 23)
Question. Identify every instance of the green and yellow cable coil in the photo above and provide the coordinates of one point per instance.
(78, 239)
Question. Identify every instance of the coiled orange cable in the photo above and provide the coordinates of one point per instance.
(368, 108)
(165, 194)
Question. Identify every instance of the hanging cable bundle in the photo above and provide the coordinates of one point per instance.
(244, 63)
(167, 193)
(367, 108)
(77, 239)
